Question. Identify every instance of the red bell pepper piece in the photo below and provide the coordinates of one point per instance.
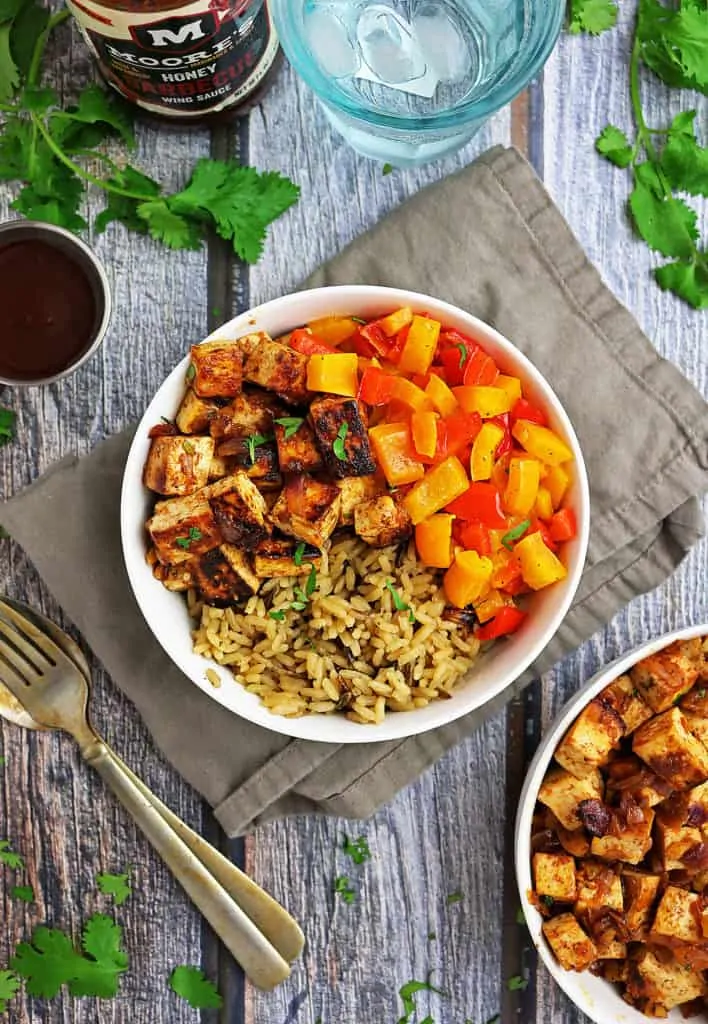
(452, 368)
(506, 443)
(480, 369)
(309, 344)
(475, 537)
(538, 526)
(455, 433)
(454, 350)
(397, 343)
(562, 525)
(375, 387)
(507, 620)
(525, 410)
(480, 503)
(375, 339)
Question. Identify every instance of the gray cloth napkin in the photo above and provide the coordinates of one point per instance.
(490, 240)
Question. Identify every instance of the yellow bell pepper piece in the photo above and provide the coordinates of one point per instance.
(335, 372)
(483, 449)
(333, 330)
(493, 602)
(485, 399)
(543, 506)
(539, 566)
(424, 428)
(557, 481)
(468, 578)
(393, 448)
(441, 396)
(512, 386)
(433, 540)
(395, 322)
(419, 349)
(522, 486)
(541, 442)
(411, 395)
(438, 488)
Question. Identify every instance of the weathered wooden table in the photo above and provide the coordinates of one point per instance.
(450, 833)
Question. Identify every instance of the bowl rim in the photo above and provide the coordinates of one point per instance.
(570, 982)
(400, 725)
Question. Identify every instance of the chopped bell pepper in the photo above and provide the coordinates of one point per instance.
(539, 566)
(433, 540)
(538, 526)
(512, 386)
(456, 433)
(479, 502)
(455, 349)
(557, 480)
(506, 570)
(483, 450)
(407, 392)
(309, 344)
(563, 526)
(543, 506)
(395, 321)
(438, 488)
(475, 537)
(522, 486)
(375, 387)
(507, 620)
(487, 400)
(541, 442)
(375, 339)
(467, 579)
(394, 452)
(480, 368)
(421, 342)
(334, 330)
(424, 429)
(525, 410)
(506, 443)
(441, 396)
(335, 373)
(492, 603)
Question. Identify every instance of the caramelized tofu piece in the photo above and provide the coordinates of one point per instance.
(307, 509)
(676, 918)
(593, 736)
(630, 775)
(342, 420)
(672, 841)
(382, 521)
(241, 565)
(624, 697)
(175, 577)
(218, 369)
(276, 557)
(631, 846)
(216, 580)
(554, 876)
(221, 466)
(696, 700)
(247, 414)
(599, 887)
(182, 528)
(276, 367)
(178, 465)
(666, 983)
(611, 949)
(573, 948)
(697, 813)
(665, 676)
(297, 451)
(640, 892)
(563, 793)
(671, 750)
(239, 510)
(698, 725)
(576, 843)
(195, 413)
(354, 490)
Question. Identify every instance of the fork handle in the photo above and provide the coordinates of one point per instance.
(260, 961)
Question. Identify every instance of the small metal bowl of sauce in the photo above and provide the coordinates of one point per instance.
(55, 303)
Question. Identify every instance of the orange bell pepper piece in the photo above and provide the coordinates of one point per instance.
(420, 345)
(439, 486)
(557, 480)
(563, 526)
(541, 442)
(441, 396)
(336, 373)
(490, 604)
(424, 428)
(512, 386)
(539, 566)
(394, 452)
(543, 506)
(483, 449)
(396, 321)
(433, 540)
(468, 578)
(334, 330)
(487, 400)
(522, 486)
(480, 368)
(405, 391)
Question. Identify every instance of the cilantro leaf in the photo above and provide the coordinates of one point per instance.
(593, 16)
(27, 26)
(299, 552)
(8, 419)
(191, 984)
(517, 983)
(407, 991)
(357, 849)
(97, 106)
(454, 897)
(9, 985)
(9, 858)
(338, 443)
(343, 889)
(169, 227)
(46, 963)
(291, 424)
(9, 9)
(665, 223)
(277, 614)
(683, 161)
(22, 892)
(387, 168)
(613, 144)
(38, 100)
(123, 209)
(9, 73)
(673, 40)
(688, 280)
(116, 886)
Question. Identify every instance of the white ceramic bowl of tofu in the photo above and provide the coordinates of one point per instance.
(166, 612)
(595, 996)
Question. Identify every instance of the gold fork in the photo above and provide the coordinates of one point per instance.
(53, 689)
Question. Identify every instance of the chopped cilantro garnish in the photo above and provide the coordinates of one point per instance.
(547, 900)
(462, 348)
(191, 373)
(398, 603)
(291, 423)
(338, 443)
(516, 983)
(357, 849)
(299, 552)
(186, 542)
(343, 889)
(311, 582)
(518, 531)
(253, 441)
(276, 614)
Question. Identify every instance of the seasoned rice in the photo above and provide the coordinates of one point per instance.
(349, 651)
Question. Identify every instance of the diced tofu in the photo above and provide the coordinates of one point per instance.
(575, 843)
(670, 750)
(250, 343)
(382, 521)
(698, 803)
(218, 369)
(704, 922)
(625, 698)
(554, 876)
(587, 745)
(696, 700)
(630, 775)
(175, 577)
(563, 792)
(573, 948)
(278, 368)
(640, 891)
(178, 465)
(665, 676)
(668, 984)
(195, 413)
(216, 580)
(298, 452)
(615, 971)
(221, 466)
(673, 841)
(354, 490)
(241, 565)
(698, 725)
(676, 917)
(598, 887)
(239, 510)
(631, 845)
(248, 414)
(612, 949)
(307, 509)
(182, 528)
(342, 419)
(276, 557)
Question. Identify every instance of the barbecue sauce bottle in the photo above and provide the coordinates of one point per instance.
(183, 60)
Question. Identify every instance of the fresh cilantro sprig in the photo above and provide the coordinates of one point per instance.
(191, 984)
(9, 858)
(186, 542)
(410, 989)
(593, 16)
(291, 425)
(22, 892)
(357, 849)
(398, 603)
(344, 889)
(253, 442)
(52, 152)
(117, 886)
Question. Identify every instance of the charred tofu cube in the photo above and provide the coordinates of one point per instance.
(195, 413)
(573, 948)
(696, 701)
(673, 841)
(342, 437)
(307, 509)
(178, 465)
(563, 793)
(217, 369)
(662, 982)
(297, 451)
(698, 725)
(175, 577)
(665, 676)
(247, 415)
(616, 972)
(216, 581)
(354, 490)
(554, 876)
(676, 917)
(575, 843)
(382, 521)
(276, 557)
(640, 892)
(630, 775)
(592, 737)
(259, 461)
(631, 845)
(624, 697)
(239, 510)
(241, 565)
(611, 949)
(598, 888)
(671, 750)
(276, 367)
(182, 528)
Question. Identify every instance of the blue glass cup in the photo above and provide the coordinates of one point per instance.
(409, 81)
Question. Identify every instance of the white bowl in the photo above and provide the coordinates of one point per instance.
(597, 998)
(166, 613)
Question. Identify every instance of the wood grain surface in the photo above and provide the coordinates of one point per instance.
(448, 834)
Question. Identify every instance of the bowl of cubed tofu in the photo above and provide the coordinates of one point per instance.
(354, 513)
(612, 837)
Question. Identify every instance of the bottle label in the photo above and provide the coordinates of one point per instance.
(203, 57)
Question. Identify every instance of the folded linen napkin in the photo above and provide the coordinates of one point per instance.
(490, 240)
